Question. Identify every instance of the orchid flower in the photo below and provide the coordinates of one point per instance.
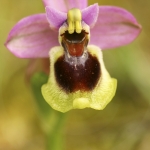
(72, 35)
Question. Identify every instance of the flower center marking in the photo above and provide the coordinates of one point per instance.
(77, 78)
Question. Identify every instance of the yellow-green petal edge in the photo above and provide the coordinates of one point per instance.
(96, 99)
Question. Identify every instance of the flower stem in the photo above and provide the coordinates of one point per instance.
(51, 120)
(55, 135)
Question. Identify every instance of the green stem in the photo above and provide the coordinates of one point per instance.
(51, 120)
(37, 80)
(55, 135)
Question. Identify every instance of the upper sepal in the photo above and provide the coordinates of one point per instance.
(65, 5)
(31, 37)
(114, 27)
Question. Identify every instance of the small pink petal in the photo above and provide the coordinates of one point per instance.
(114, 27)
(32, 37)
(65, 5)
(90, 14)
(55, 17)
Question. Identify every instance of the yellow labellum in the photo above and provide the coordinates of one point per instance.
(97, 98)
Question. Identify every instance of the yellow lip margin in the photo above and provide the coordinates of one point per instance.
(96, 99)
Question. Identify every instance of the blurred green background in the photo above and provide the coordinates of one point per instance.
(123, 125)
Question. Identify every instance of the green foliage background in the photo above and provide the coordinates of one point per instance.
(123, 125)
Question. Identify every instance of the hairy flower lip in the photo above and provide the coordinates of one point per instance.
(100, 96)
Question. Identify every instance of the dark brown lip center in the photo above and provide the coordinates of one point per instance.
(77, 77)
(75, 43)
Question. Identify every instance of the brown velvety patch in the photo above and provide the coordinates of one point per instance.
(73, 77)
